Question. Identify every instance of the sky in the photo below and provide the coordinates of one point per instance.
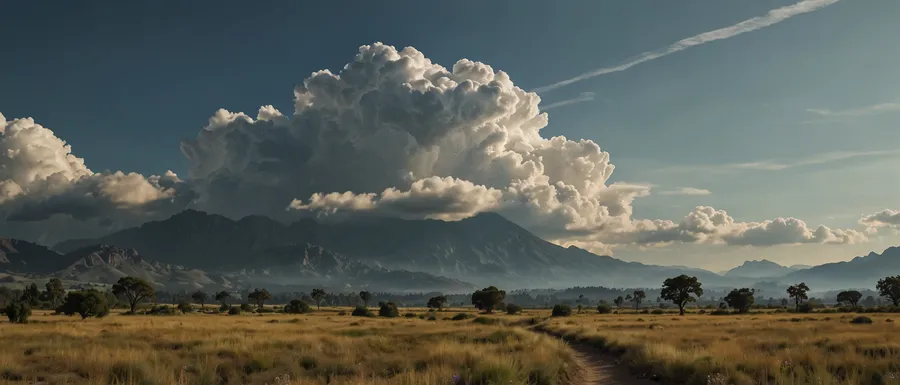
(735, 131)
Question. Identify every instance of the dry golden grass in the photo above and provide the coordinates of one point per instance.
(317, 348)
(778, 349)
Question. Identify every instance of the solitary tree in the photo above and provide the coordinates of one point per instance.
(318, 295)
(365, 296)
(260, 296)
(134, 290)
(869, 302)
(740, 299)
(681, 290)
(437, 302)
(200, 297)
(18, 312)
(55, 291)
(637, 297)
(88, 303)
(619, 301)
(488, 299)
(890, 287)
(798, 293)
(849, 298)
(223, 297)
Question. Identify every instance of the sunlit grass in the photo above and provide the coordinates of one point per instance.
(318, 348)
(778, 349)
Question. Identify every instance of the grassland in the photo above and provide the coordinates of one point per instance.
(778, 349)
(316, 348)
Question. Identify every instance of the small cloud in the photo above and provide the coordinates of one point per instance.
(687, 191)
(860, 111)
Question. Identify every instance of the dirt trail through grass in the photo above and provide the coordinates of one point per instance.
(600, 368)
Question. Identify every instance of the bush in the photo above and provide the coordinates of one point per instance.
(645, 311)
(224, 308)
(657, 311)
(604, 309)
(388, 309)
(234, 310)
(486, 320)
(410, 315)
(89, 303)
(162, 310)
(18, 312)
(806, 307)
(512, 309)
(432, 318)
(720, 312)
(861, 320)
(245, 307)
(296, 306)
(185, 307)
(342, 312)
(264, 310)
(361, 311)
(561, 310)
(460, 317)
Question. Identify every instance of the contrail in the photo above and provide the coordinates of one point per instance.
(774, 16)
(584, 97)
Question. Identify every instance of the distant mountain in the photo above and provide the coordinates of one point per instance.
(760, 269)
(860, 272)
(485, 249)
(19, 256)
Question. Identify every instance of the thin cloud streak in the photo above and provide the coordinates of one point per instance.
(834, 116)
(772, 17)
(584, 97)
(690, 191)
(772, 165)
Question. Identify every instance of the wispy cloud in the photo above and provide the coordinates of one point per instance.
(772, 17)
(583, 97)
(686, 191)
(875, 109)
(777, 165)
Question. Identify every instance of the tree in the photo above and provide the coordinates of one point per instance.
(849, 298)
(55, 291)
(223, 297)
(890, 287)
(87, 303)
(18, 312)
(869, 301)
(134, 290)
(488, 299)
(437, 302)
(741, 299)
(185, 307)
(31, 295)
(619, 301)
(365, 296)
(296, 306)
(513, 309)
(318, 295)
(260, 296)
(603, 308)
(200, 297)
(679, 290)
(637, 297)
(798, 293)
(784, 302)
(561, 310)
(388, 309)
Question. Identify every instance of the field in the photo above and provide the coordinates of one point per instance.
(755, 348)
(316, 348)
(325, 347)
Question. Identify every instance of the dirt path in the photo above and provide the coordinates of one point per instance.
(602, 369)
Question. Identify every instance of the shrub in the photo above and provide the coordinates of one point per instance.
(388, 309)
(861, 320)
(645, 311)
(604, 309)
(361, 311)
(296, 306)
(805, 307)
(185, 307)
(460, 317)
(432, 318)
(486, 320)
(657, 311)
(89, 303)
(18, 312)
(410, 315)
(720, 312)
(224, 308)
(342, 312)
(245, 307)
(561, 310)
(162, 310)
(512, 309)
(234, 310)
(265, 310)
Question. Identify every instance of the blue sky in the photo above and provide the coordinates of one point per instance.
(783, 121)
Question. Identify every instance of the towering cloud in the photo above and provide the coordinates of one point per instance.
(395, 134)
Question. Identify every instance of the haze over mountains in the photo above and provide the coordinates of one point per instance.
(194, 249)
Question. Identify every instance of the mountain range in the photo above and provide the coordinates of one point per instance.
(194, 249)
